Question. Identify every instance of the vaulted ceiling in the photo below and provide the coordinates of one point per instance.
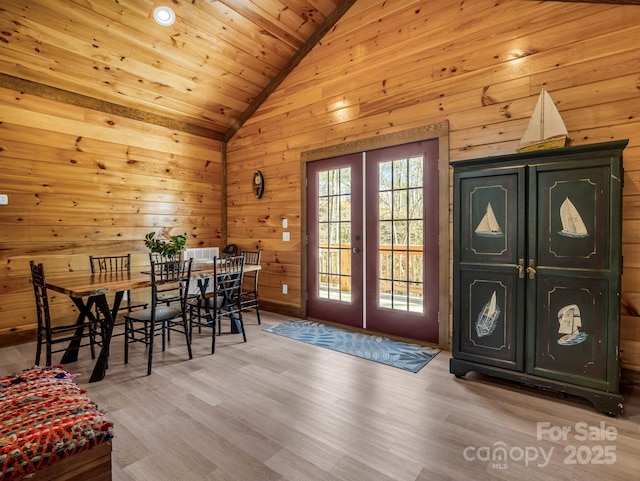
(206, 73)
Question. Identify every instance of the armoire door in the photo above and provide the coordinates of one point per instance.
(489, 260)
(573, 286)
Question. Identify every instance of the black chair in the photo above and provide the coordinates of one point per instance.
(222, 301)
(121, 263)
(58, 331)
(230, 250)
(249, 296)
(169, 278)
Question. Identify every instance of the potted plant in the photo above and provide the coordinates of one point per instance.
(167, 248)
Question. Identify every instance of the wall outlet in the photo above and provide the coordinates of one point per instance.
(286, 236)
(4, 199)
(285, 289)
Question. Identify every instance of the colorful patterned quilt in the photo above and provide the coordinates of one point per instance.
(45, 417)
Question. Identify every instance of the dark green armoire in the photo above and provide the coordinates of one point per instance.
(536, 269)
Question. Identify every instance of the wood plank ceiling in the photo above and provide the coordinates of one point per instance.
(206, 73)
(621, 2)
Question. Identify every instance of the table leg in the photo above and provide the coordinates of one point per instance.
(234, 321)
(108, 316)
(71, 353)
(203, 284)
(235, 324)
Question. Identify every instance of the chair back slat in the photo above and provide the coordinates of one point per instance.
(109, 264)
(227, 273)
(104, 264)
(252, 258)
(249, 296)
(170, 278)
(155, 257)
(40, 292)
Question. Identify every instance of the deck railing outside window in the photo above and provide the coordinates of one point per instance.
(400, 275)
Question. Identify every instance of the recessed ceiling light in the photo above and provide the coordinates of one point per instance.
(164, 16)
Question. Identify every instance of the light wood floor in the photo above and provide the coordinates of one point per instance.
(279, 409)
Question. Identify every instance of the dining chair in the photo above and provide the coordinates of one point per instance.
(62, 330)
(222, 301)
(249, 295)
(120, 263)
(170, 278)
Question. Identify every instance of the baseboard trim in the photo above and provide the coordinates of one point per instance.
(283, 309)
(630, 377)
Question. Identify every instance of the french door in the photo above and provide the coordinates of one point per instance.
(373, 240)
(335, 261)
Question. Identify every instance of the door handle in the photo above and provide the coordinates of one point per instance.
(520, 268)
(531, 269)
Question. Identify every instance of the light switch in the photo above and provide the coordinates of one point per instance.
(285, 223)
(4, 199)
(286, 236)
(285, 289)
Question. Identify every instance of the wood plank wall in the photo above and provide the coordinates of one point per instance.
(82, 182)
(394, 65)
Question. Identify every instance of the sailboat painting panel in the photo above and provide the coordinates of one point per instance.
(487, 319)
(486, 226)
(571, 216)
(489, 226)
(570, 323)
(572, 223)
(489, 316)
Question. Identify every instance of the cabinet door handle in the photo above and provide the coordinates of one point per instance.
(531, 269)
(520, 267)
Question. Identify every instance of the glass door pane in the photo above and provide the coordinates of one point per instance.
(334, 226)
(400, 223)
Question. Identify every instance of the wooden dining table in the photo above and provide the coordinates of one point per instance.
(87, 290)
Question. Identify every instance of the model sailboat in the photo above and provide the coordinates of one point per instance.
(488, 318)
(570, 324)
(572, 224)
(546, 130)
(489, 226)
